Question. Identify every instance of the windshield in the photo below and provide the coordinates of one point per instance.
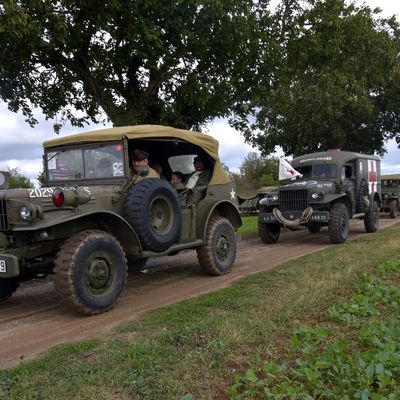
(100, 161)
(390, 183)
(324, 171)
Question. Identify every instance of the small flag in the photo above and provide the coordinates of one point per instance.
(286, 171)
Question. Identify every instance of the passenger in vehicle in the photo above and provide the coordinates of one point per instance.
(177, 179)
(158, 168)
(140, 166)
(104, 168)
(202, 174)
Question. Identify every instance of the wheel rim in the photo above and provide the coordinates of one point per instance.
(222, 248)
(99, 273)
(161, 215)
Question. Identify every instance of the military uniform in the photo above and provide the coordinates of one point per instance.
(151, 174)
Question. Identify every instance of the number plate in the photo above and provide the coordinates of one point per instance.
(3, 266)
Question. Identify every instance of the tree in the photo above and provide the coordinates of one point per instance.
(337, 84)
(42, 179)
(180, 62)
(17, 180)
(257, 171)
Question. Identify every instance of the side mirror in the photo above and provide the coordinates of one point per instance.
(4, 179)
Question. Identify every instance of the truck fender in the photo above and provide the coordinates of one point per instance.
(208, 209)
(109, 222)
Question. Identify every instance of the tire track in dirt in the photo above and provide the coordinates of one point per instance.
(34, 319)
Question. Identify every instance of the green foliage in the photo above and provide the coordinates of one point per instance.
(17, 180)
(42, 179)
(257, 171)
(335, 84)
(360, 360)
(179, 63)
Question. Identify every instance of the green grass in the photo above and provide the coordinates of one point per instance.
(249, 227)
(201, 348)
(353, 354)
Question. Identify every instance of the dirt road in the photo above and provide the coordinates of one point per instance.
(34, 320)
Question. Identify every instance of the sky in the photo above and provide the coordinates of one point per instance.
(21, 145)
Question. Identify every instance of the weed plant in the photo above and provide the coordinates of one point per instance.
(354, 355)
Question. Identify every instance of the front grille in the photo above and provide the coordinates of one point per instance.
(293, 200)
(3, 215)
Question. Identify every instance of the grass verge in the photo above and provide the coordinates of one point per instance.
(200, 348)
(249, 226)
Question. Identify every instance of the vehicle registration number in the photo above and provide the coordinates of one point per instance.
(3, 266)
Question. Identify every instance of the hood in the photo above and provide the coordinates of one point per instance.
(315, 184)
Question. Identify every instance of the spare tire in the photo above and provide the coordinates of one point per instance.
(152, 208)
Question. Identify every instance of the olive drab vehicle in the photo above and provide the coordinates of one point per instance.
(93, 221)
(335, 186)
(390, 194)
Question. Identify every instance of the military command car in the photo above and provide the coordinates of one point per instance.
(390, 194)
(335, 186)
(93, 220)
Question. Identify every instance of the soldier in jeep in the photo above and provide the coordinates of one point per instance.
(201, 175)
(140, 166)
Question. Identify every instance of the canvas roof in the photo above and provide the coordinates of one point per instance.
(206, 142)
(390, 176)
(332, 156)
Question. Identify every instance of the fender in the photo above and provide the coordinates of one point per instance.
(329, 198)
(208, 208)
(109, 221)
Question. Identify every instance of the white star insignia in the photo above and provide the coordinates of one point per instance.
(232, 193)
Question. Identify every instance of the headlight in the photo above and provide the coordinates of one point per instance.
(317, 196)
(25, 213)
(275, 197)
(30, 212)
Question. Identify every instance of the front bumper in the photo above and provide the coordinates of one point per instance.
(9, 266)
(316, 217)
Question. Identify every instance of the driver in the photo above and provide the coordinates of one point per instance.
(140, 166)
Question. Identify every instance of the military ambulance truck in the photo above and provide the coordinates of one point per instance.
(335, 186)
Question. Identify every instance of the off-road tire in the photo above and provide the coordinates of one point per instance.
(152, 208)
(136, 264)
(339, 223)
(314, 228)
(371, 219)
(90, 272)
(218, 253)
(7, 287)
(269, 233)
(393, 208)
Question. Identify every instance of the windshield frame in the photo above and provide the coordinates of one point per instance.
(318, 171)
(120, 167)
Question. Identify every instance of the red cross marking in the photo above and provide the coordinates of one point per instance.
(372, 176)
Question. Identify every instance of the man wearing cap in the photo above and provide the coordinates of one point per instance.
(202, 175)
(140, 166)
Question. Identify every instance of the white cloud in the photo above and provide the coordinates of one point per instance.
(232, 147)
(391, 160)
(21, 146)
